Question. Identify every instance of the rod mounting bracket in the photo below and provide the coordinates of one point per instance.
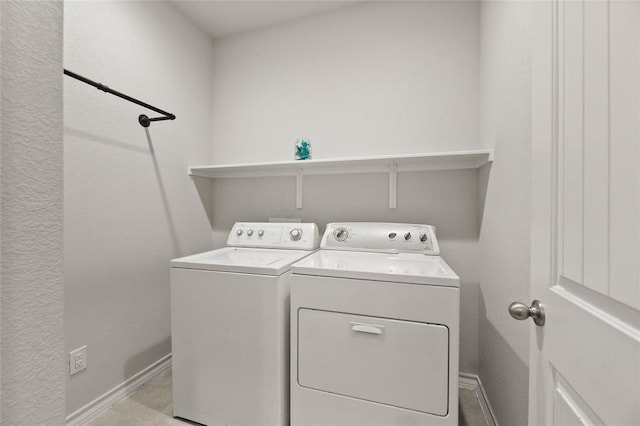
(144, 120)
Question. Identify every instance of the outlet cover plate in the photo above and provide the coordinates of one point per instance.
(77, 360)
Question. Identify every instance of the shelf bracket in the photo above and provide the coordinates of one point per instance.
(393, 184)
(299, 189)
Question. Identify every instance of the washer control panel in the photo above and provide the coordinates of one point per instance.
(381, 237)
(298, 236)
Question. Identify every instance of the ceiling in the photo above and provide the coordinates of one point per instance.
(222, 18)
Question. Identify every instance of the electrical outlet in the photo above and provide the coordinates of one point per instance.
(77, 360)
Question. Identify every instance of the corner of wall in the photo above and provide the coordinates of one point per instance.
(31, 216)
(505, 126)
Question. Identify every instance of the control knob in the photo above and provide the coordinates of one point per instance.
(249, 232)
(407, 236)
(340, 234)
(423, 237)
(392, 235)
(239, 232)
(260, 233)
(295, 234)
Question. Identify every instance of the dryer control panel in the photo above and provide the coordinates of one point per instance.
(293, 236)
(381, 237)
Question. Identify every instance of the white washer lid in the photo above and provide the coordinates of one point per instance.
(243, 260)
(411, 268)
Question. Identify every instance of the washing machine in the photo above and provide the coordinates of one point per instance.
(375, 329)
(230, 325)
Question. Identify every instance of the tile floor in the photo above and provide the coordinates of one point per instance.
(151, 405)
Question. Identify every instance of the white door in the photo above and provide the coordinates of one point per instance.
(585, 360)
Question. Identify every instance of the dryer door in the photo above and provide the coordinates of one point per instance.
(398, 363)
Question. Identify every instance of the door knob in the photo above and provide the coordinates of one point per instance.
(520, 311)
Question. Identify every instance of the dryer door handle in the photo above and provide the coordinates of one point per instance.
(367, 328)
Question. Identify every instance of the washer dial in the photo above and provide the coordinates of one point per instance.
(295, 234)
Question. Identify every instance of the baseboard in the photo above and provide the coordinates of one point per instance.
(118, 393)
(103, 402)
(472, 382)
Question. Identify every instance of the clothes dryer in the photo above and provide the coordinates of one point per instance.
(375, 329)
(230, 325)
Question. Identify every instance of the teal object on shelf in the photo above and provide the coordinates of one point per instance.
(303, 149)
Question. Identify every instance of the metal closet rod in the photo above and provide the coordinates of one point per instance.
(142, 119)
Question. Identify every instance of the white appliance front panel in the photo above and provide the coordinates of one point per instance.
(407, 302)
(399, 363)
(230, 343)
(411, 268)
(241, 259)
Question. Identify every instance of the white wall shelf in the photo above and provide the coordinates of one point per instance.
(391, 164)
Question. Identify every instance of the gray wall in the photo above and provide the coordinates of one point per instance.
(375, 78)
(129, 204)
(31, 249)
(504, 249)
